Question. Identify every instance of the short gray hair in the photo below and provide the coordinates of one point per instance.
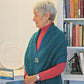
(46, 6)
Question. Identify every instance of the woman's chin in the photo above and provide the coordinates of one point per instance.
(37, 26)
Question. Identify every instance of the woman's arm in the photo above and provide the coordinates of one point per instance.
(24, 73)
(52, 72)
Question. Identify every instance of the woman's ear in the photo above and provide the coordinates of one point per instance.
(47, 15)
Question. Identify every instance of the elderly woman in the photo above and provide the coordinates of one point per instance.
(45, 57)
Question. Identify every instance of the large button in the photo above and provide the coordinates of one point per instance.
(36, 60)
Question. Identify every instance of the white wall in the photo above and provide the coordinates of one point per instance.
(15, 20)
(16, 23)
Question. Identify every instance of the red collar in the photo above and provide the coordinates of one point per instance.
(46, 27)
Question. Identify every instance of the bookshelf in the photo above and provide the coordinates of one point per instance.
(66, 75)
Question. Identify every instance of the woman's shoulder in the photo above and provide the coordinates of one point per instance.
(58, 31)
(34, 35)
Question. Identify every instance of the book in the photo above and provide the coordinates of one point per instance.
(67, 8)
(81, 8)
(64, 9)
(68, 34)
(82, 62)
(71, 8)
(73, 36)
(71, 25)
(80, 36)
(65, 31)
(76, 8)
(77, 35)
(83, 35)
(7, 74)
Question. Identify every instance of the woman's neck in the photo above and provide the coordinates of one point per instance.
(46, 25)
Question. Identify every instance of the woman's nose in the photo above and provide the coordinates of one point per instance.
(33, 18)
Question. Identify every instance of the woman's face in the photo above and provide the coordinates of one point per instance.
(40, 19)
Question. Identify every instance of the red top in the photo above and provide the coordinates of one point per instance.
(54, 71)
(41, 35)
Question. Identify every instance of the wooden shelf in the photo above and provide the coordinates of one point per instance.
(73, 19)
(72, 47)
(75, 77)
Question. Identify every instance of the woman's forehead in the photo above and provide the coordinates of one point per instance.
(37, 12)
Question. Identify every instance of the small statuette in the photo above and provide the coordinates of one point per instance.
(36, 60)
